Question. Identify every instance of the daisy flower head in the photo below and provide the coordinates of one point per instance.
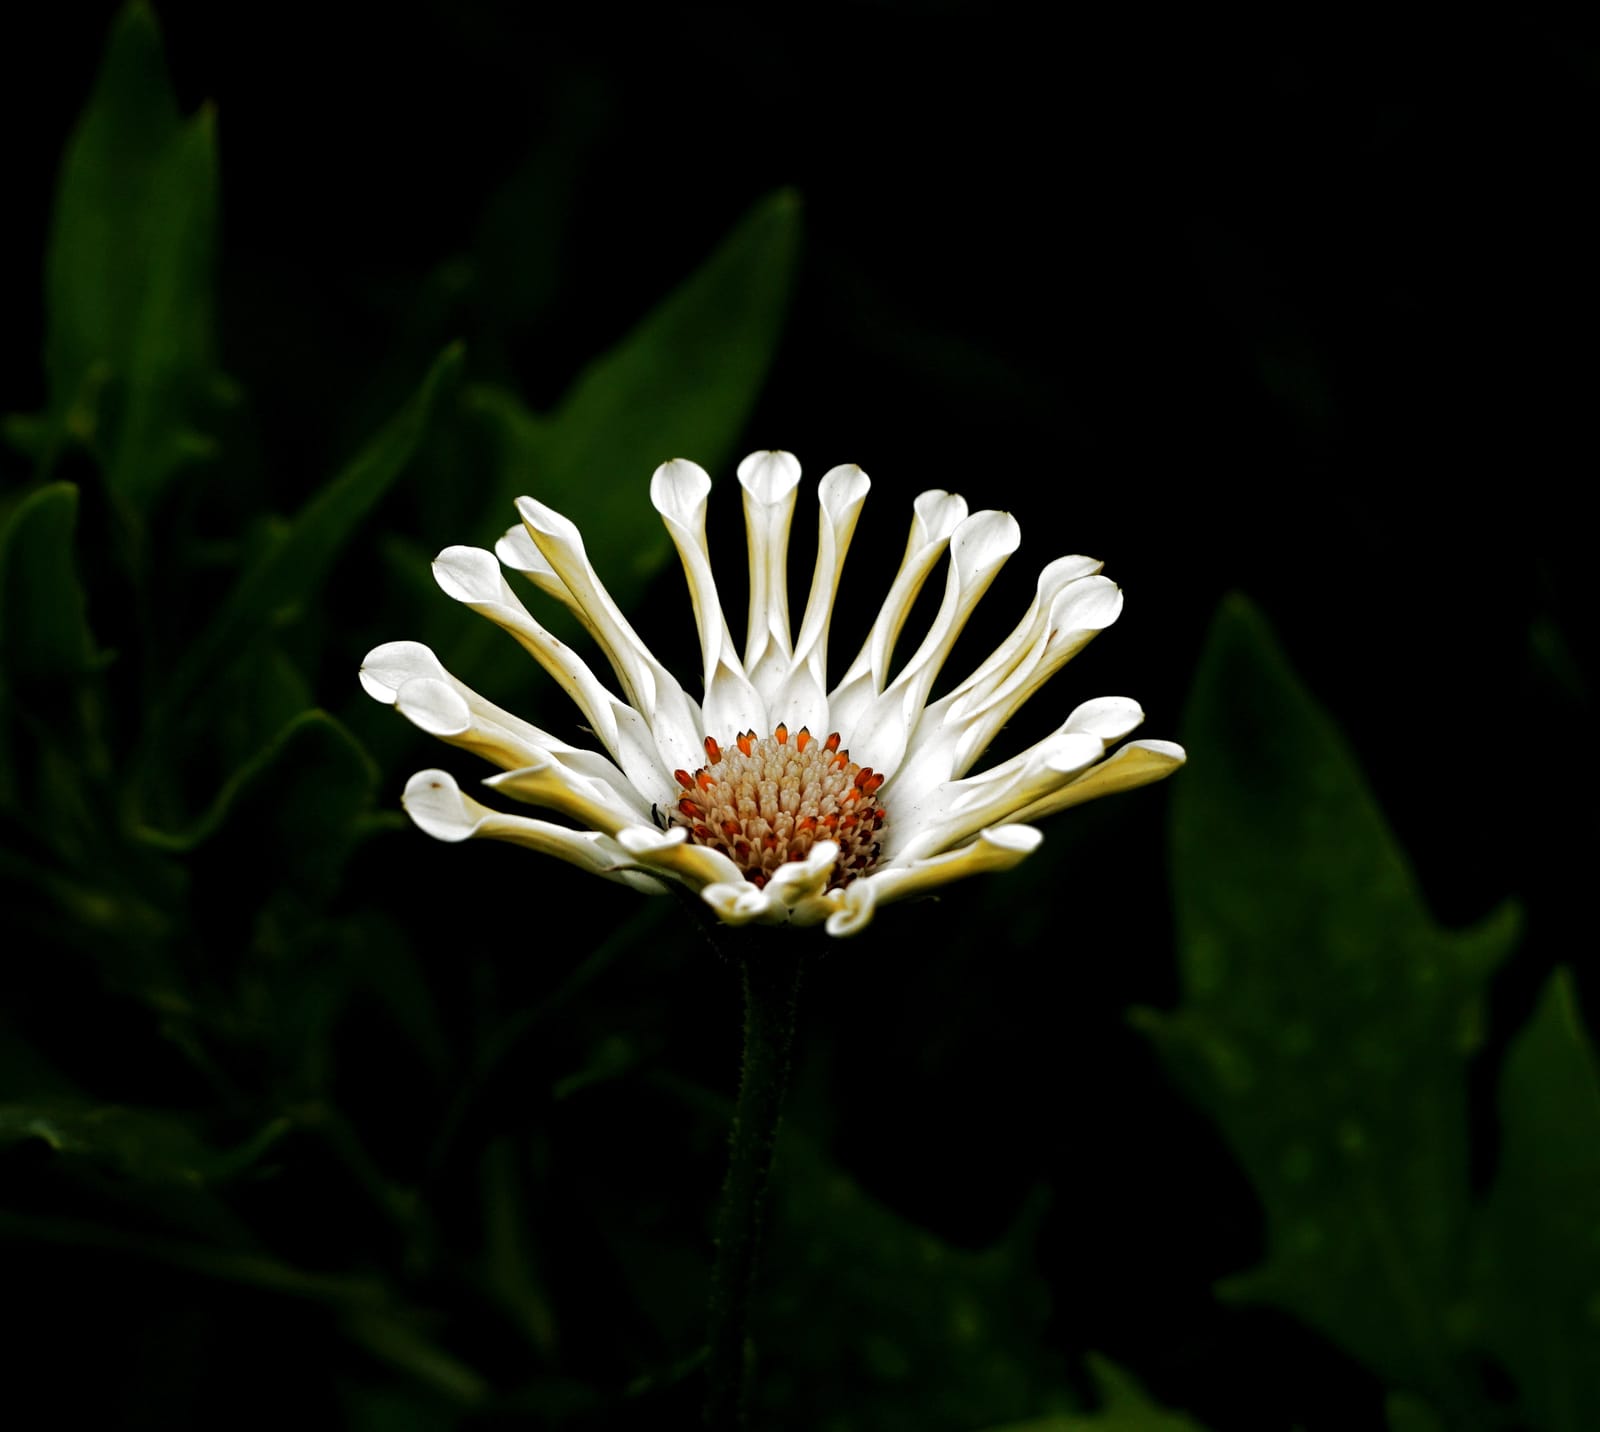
(776, 796)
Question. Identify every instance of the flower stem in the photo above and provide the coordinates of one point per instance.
(771, 967)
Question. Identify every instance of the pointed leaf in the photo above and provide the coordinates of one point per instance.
(917, 1334)
(297, 806)
(680, 385)
(46, 647)
(150, 1145)
(1125, 1407)
(288, 575)
(1538, 1265)
(1326, 1018)
(44, 624)
(129, 268)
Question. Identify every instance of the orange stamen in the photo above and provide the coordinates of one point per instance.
(713, 750)
(832, 743)
(744, 743)
(803, 739)
(781, 734)
(705, 780)
(684, 779)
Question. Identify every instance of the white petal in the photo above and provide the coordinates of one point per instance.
(798, 880)
(1137, 764)
(434, 707)
(670, 852)
(439, 808)
(978, 549)
(953, 811)
(385, 669)
(857, 905)
(472, 576)
(935, 516)
(998, 848)
(1053, 579)
(803, 700)
(741, 903)
(545, 781)
(814, 909)
(481, 727)
(650, 687)
(1108, 717)
(1069, 608)
(517, 551)
(678, 491)
(769, 480)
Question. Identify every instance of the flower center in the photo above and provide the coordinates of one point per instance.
(769, 799)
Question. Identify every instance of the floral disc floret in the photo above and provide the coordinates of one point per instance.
(766, 800)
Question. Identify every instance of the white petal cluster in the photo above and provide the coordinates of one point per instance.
(943, 823)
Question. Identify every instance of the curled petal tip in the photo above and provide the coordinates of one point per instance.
(857, 905)
(678, 488)
(769, 476)
(543, 518)
(841, 487)
(469, 574)
(433, 706)
(435, 803)
(388, 667)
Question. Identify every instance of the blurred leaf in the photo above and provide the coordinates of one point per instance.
(150, 1145)
(394, 1409)
(681, 384)
(44, 624)
(129, 270)
(296, 805)
(223, 1264)
(288, 575)
(1326, 1018)
(46, 649)
(1408, 1414)
(1538, 1264)
(917, 1334)
(1124, 1408)
(395, 1335)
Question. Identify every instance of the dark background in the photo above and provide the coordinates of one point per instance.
(1304, 312)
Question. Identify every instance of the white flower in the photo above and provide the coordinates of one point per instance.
(776, 797)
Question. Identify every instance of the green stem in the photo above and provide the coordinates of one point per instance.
(771, 968)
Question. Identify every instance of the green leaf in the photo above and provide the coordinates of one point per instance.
(44, 623)
(1538, 1263)
(1326, 1018)
(149, 1145)
(917, 1334)
(129, 269)
(296, 806)
(1124, 1408)
(288, 575)
(46, 649)
(682, 384)
(1410, 1414)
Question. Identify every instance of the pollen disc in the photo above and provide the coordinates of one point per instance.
(765, 800)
